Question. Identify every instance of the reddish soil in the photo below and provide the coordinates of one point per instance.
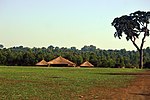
(139, 89)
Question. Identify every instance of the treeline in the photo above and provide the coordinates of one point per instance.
(24, 56)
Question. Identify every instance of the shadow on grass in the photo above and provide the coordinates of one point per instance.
(143, 94)
(56, 77)
(147, 74)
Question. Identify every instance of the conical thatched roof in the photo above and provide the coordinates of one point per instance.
(86, 64)
(42, 63)
(60, 60)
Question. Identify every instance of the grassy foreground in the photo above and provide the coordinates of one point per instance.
(36, 83)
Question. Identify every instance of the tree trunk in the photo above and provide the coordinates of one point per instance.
(141, 59)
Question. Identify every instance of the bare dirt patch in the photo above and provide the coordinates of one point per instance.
(139, 89)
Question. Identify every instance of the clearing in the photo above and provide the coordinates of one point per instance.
(139, 89)
(35, 83)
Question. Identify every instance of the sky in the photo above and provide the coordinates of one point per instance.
(65, 23)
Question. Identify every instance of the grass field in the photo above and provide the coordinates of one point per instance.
(34, 83)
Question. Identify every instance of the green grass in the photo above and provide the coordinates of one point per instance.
(57, 83)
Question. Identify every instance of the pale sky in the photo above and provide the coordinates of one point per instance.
(65, 23)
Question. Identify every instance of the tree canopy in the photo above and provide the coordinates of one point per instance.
(24, 56)
(132, 25)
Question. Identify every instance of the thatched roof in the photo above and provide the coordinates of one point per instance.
(60, 60)
(42, 63)
(86, 64)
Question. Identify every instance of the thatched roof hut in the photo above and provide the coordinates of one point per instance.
(42, 63)
(60, 61)
(86, 64)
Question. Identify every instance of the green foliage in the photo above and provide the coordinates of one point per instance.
(54, 83)
(23, 56)
(132, 25)
(1, 46)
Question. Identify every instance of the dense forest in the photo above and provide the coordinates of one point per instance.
(24, 56)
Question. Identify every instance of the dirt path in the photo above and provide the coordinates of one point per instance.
(138, 90)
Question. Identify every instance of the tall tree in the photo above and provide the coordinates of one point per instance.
(133, 26)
